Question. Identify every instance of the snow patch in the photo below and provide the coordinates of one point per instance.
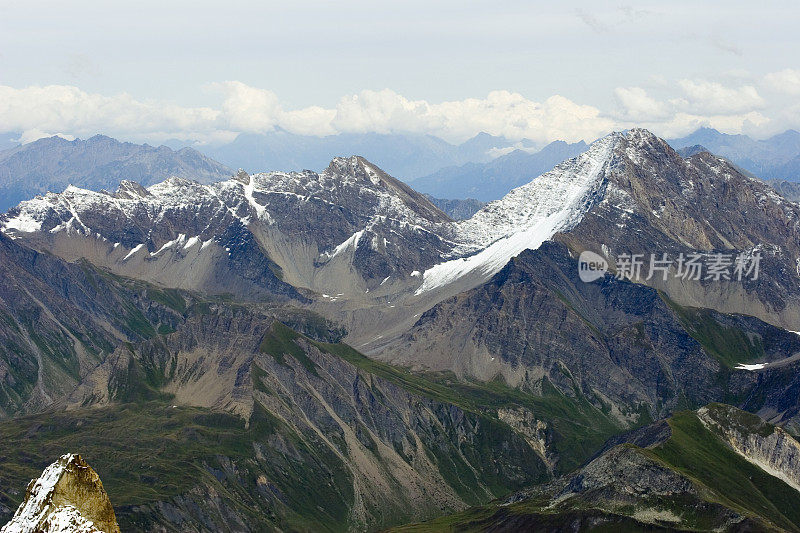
(169, 244)
(133, 251)
(373, 176)
(23, 222)
(191, 242)
(351, 241)
(68, 519)
(757, 366)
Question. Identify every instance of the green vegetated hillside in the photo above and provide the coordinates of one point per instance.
(204, 411)
(329, 440)
(688, 474)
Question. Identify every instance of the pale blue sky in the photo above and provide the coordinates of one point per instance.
(615, 57)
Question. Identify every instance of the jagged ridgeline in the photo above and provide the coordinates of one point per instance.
(330, 351)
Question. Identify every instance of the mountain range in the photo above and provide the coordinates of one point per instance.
(331, 351)
(100, 162)
(777, 157)
(483, 168)
(406, 156)
(487, 181)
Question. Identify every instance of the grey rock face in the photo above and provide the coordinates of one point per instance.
(396, 449)
(657, 202)
(770, 448)
(620, 344)
(59, 320)
(457, 209)
(344, 231)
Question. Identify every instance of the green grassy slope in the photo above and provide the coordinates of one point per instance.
(147, 450)
(721, 478)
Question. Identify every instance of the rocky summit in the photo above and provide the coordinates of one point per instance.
(68, 497)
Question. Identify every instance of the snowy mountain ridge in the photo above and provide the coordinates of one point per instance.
(318, 228)
(242, 197)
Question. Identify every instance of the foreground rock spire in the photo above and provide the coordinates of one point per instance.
(67, 498)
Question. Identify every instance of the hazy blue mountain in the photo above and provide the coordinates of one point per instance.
(491, 180)
(775, 158)
(689, 151)
(100, 162)
(480, 147)
(8, 140)
(404, 156)
(788, 189)
(458, 209)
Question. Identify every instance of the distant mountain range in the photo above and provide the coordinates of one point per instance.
(405, 156)
(487, 181)
(775, 158)
(9, 140)
(483, 168)
(51, 164)
(457, 209)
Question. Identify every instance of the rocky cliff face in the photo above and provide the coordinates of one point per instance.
(345, 231)
(316, 435)
(656, 202)
(67, 498)
(770, 448)
(59, 320)
(620, 345)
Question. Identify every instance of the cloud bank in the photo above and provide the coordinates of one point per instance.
(683, 106)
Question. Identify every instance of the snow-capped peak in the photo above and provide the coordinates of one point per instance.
(54, 501)
(525, 217)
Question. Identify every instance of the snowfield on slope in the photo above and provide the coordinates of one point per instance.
(525, 218)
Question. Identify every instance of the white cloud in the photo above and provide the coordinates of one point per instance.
(312, 120)
(637, 106)
(39, 111)
(712, 98)
(785, 81)
(247, 108)
(500, 113)
(35, 134)
(63, 108)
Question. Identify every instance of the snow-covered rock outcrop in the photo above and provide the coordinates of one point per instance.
(67, 498)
